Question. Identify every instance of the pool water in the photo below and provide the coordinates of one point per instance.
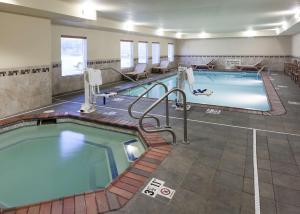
(45, 162)
(230, 89)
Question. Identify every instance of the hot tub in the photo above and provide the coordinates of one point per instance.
(41, 160)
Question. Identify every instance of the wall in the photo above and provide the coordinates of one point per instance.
(296, 45)
(103, 50)
(25, 57)
(273, 50)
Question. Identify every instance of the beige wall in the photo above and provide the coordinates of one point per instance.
(296, 45)
(263, 46)
(100, 45)
(24, 41)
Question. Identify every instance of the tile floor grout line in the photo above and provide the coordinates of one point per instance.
(49, 106)
(255, 175)
(197, 121)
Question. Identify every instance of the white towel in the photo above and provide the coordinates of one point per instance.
(95, 77)
(190, 76)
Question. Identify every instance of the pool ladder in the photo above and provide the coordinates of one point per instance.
(146, 114)
(159, 128)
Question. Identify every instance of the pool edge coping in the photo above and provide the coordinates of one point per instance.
(276, 106)
(121, 189)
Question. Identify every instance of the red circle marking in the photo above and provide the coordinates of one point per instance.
(165, 191)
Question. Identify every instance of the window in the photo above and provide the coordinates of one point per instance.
(171, 52)
(126, 49)
(73, 55)
(143, 52)
(155, 53)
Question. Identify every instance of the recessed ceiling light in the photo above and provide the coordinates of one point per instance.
(129, 26)
(297, 13)
(250, 33)
(284, 25)
(203, 35)
(178, 35)
(89, 11)
(160, 31)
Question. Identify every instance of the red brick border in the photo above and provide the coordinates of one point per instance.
(119, 192)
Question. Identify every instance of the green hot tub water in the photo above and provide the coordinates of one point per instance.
(40, 163)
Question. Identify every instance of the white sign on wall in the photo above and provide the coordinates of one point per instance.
(231, 63)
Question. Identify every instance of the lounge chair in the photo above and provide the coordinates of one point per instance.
(255, 67)
(139, 71)
(208, 66)
(162, 68)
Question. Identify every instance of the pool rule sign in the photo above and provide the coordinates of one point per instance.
(156, 187)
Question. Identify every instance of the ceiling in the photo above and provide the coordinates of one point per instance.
(194, 16)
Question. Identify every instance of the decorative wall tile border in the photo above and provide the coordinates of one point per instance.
(120, 191)
(237, 56)
(273, 62)
(24, 70)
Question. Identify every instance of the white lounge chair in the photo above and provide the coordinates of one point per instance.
(208, 66)
(139, 71)
(255, 67)
(162, 68)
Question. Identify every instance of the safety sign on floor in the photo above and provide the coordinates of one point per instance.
(213, 111)
(156, 187)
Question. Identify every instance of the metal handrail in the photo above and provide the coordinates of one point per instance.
(185, 140)
(147, 91)
(124, 75)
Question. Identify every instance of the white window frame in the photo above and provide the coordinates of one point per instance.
(155, 53)
(171, 52)
(78, 64)
(126, 59)
(142, 59)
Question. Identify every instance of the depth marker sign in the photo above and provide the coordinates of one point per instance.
(156, 186)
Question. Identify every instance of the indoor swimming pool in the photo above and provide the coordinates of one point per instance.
(244, 90)
(45, 162)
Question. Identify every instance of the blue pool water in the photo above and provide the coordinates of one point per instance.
(231, 89)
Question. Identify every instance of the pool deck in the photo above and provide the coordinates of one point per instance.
(216, 172)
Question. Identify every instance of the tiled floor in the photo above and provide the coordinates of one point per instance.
(214, 173)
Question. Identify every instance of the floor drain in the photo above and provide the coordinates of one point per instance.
(213, 111)
(293, 103)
